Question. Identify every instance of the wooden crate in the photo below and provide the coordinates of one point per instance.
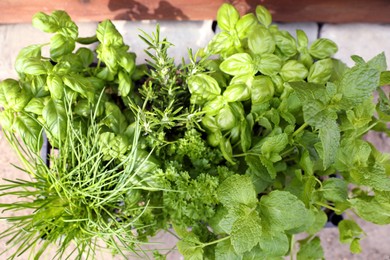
(333, 11)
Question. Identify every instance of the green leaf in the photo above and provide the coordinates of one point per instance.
(274, 244)
(237, 189)
(335, 189)
(33, 66)
(357, 84)
(45, 23)
(125, 84)
(32, 51)
(274, 144)
(310, 249)
(222, 42)
(55, 119)
(245, 25)
(114, 119)
(283, 211)
(246, 232)
(227, 17)
(302, 39)
(190, 250)
(321, 71)
(260, 40)
(371, 210)
(80, 84)
(127, 62)
(320, 219)
(86, 56)
(323, 48)
(374, 175)
(58, 22)
(237, 92)
(203, 88)
(55, 86)
(263, 15)
(293, 70)
(349, 230)
(286, 44)
(225, 251)
(378, 62)
(384, 78)
(61, 45)
(262, 89)
(12, 95)
(113, 146)
(238, 64)
(7, 119)
(30, 131)
(269, 64)
(330, 140)
(36, 105)
(108, 35)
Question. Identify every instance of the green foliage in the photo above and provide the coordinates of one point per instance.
(238, 149)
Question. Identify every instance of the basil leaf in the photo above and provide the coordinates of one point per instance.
(61, 45)
(260, 40)
(227, 17)
(293, 70)
(237, 92)
(55, 86)
(245, 25)
(238, 64)
(203, 87)
(323, 48)
(263, 15)
(321, 71)
(269, 64)
(55, 121)
(30, 131)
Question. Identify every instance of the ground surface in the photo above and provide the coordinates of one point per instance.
(365, 40)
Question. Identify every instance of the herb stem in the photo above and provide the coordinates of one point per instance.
(327, 206)
(214, 242)
(300, 129)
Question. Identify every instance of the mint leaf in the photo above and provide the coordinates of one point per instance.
(330, 140)
(374, 175)
(225, 251)
(357, 84)
(350, 233)
(335, 189)
(310, 250)
(371, 210)
(274, 243)
(246, 232)
(237, 189)
(233, 213)
(283, 211)
(378, 62)
(190, 250)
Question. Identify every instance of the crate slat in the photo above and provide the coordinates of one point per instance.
(334, 11)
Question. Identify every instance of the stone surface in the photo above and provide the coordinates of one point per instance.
(365, 40)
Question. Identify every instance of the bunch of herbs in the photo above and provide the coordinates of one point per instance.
(239, 149)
